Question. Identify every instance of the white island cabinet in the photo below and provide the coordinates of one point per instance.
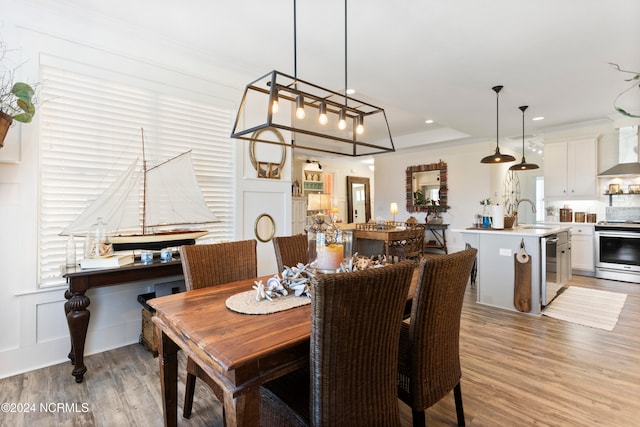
(495, 279)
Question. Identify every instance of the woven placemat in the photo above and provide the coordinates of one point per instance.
(245, 303)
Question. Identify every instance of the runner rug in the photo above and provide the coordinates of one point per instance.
(588, 307)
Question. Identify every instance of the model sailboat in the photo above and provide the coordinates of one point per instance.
(169, 196)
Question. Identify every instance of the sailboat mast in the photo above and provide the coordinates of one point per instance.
(144, 186)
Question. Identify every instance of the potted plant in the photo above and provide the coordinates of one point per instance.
(16, 103)
(16, 100)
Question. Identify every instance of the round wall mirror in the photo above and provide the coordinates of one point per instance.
(265, 227)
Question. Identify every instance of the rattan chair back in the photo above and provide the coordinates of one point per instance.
(213, 264)
(355, 327)
(210, 265)
(429, 360)
(290, 250)
(410, 245)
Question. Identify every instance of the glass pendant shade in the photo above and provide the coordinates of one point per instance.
(498, 157)
(300, 107)
(322, 113)
(523, 165)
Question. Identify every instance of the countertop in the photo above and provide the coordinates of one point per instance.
(529, 230)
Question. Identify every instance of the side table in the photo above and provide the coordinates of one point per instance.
(439, 241)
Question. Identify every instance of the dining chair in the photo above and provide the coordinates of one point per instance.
(429, 356)
(410, 245)
(210, 265)
(290, 250)
(351, 378)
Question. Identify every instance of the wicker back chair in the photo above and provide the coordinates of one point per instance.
(355, 326)
(210, 265)
(290, 250)
(429, 360)
(410, 245)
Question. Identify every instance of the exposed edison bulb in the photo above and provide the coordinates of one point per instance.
(300, 107)
(360, 125)
(342, 123)
(275, 107)
(322, 116)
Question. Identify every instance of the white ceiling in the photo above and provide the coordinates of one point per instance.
(420, 59)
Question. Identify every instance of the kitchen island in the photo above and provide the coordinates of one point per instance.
(496, 265)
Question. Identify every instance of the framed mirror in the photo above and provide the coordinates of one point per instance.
(426, 183)
(358, 199)
(264, 228)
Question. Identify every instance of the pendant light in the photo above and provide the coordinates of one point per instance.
(311, 113)
(497, 157)
(523, 165)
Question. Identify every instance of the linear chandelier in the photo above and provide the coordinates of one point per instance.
(320, 119)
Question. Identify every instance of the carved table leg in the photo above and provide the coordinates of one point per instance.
(78, 320)
(67, 296)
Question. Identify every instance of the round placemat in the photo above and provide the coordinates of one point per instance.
(245, 303)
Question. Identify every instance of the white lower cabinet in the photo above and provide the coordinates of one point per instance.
(583, 249)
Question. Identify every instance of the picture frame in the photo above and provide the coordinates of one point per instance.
(634, 188)
(614, 188)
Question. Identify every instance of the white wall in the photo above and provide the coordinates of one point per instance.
(469, 181)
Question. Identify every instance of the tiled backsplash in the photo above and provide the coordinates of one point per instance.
(616, 213)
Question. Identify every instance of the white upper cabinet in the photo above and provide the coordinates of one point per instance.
(571, 169)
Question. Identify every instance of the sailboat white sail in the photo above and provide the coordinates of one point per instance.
(171, 197)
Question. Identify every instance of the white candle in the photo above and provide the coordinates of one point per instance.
(329, 257)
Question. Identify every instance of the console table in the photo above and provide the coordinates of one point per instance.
(77, 302)
(438, 231)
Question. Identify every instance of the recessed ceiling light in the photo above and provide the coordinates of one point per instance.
(538, 118)
(351, 91)
(428, 121)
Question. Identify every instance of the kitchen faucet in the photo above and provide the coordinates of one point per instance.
(533, 207)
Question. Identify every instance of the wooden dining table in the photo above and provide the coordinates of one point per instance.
(239, 351)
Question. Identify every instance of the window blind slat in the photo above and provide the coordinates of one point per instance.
(90, 133)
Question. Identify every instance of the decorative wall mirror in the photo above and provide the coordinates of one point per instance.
(427, 183)
(264, 228)
(267, 169)
(358, 199)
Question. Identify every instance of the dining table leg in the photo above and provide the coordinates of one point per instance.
(243, 410)
(168, 359)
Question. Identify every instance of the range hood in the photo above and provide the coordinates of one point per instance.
(628, 140)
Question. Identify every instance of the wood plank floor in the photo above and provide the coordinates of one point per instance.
(518, 370)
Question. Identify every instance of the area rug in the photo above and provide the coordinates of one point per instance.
(588, 307)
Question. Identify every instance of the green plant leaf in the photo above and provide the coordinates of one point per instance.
(23, 117)
(27, 107)
(626, 113)
(23, 91)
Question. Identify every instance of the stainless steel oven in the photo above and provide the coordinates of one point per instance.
(618, 251)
